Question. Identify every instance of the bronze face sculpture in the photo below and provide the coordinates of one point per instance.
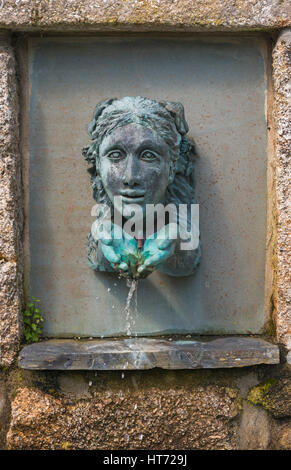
(140, 158)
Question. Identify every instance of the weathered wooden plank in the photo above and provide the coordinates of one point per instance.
(147, 353)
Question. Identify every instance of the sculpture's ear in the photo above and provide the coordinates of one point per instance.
(177, 111)
(97, 113)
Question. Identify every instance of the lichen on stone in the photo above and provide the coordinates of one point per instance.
(274, 395)
(258, 394)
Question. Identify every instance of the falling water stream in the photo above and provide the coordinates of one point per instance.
(131, 310)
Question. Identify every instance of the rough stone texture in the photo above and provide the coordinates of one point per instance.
(282, 115)
(278, 399)
(146, 353)
(274, 395)
(266, 416)
(284, 441)
(4, 409)
(254, 428)
(155, 409)
(10, 208)
(144, 14)
(179, 418)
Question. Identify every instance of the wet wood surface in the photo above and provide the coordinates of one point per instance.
(147, 353)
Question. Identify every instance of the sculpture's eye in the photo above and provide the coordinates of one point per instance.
(148, 155)
(115, 155)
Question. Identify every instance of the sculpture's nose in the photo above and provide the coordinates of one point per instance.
(131, 176)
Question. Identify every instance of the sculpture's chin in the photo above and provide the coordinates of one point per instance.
(132, 210)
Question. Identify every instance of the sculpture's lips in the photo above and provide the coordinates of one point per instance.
(132, 196)
(132, 199)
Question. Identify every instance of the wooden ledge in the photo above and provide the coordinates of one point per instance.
(147, 353)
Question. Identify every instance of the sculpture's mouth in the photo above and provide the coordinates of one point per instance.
(130, 199)
(132, 196)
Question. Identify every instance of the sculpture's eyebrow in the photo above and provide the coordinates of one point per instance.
(149, 144)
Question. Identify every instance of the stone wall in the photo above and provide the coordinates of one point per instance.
(237, 409)
(282, 109)
(145, 15)
(240, 408)
(10, 207)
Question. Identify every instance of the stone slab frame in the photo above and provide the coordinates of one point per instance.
(99, 16)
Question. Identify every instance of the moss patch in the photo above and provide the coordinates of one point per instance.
(258, 394)
(272, 328)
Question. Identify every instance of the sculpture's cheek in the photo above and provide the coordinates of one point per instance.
(111, 176)
(157, 180)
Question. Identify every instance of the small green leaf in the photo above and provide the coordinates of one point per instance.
(32, 319)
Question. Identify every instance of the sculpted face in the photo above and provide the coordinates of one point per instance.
(134, 163)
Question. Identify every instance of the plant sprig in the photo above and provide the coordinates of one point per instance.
(32, 321)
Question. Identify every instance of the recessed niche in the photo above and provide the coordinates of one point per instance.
(222, 85)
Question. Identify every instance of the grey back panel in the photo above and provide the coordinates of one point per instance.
(222, 86)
